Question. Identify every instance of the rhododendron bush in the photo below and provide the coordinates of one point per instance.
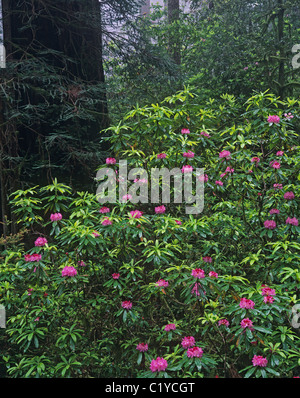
(143, 289)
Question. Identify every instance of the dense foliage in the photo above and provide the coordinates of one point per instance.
(139, 290)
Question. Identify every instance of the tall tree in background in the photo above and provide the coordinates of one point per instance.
(53, 94)
(173, 18)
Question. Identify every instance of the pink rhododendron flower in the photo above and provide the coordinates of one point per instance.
(81, 263)
(188, 154)
(288, 115)
(187, 342)
(142, 347)
(207, 259)
(267, 291)
(127, 305)
(255, 159)
(136, 213)
(40, 241)
(195, 289)
(140, 181)
(225, 154)
(33, 257)
(96, 234)
(273, 119)
(213, 274)
(205, 134)
(115, 275)
(224, 322)
(246, 303)
(106, 221)
(292, 221)
(275, 164)
(55, 217)
(270, 224)
(277, 186)
(194, 352)
(246, 323)
(221, 176)
(158, 365)
(104, 210)
(289, 195)
(29, 292)
(187, 169)
(169, 327)
(185, 131)
(111, 161)
(127, 197)
(280, 153)
(162, 283)
(198, 273)
(229, 170)
(259, 360)
(69, 271)
(268, 299)
(160, 209)
(203, 178)
(274, 211)
(178, 222)
(219, 183)
(161, 156)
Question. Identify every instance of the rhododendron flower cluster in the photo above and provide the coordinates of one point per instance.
(187, 169)
(246, 303)
(213, 274)
(207, 259)
(40, 241)
(273, 119)
(115, 275)
(33, 257)
(104, 210)
(205, 134)
(161, 156)
(275, 164)
(169, 327)
(162, 283)
(194, 352)
(289, 195)
(270, 224)
(111, 161)
(255, 159)
(160, 209)
(274, 211)
(142, 347)
(188, 341)
(259, 360)
(198, 273)
(106, 221)
(224, 322)
(188, 154)
(246, 323)
(127, 305)
(292, 221)
(69, 271)
(185, 131)
(136, 213)
(55, 217)
(158, 365)
(225, 155)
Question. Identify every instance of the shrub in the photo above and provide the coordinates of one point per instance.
(138, 290)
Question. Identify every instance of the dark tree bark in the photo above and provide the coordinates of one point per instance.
(173, 16)
(64, 37)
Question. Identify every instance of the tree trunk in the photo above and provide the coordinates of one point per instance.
(174, 42)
